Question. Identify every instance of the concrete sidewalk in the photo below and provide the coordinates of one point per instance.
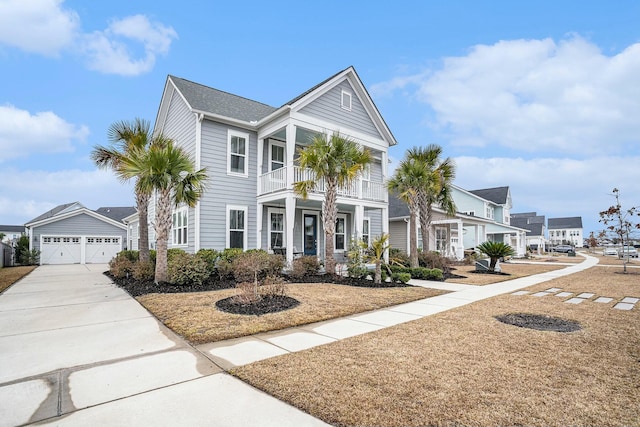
(77, 350)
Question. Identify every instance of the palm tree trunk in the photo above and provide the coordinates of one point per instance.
(142, 201)
(163, 222)
(377, 279)
(413, 238)
(329, 215)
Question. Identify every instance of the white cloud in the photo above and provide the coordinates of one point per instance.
(555, 187)
(128, 46)
(109, 51)
(23, 133)
(535, 95)
(26, 194)
(40, 26)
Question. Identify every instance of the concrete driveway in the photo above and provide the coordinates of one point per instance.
(77, 350)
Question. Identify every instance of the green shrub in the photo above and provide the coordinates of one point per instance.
(152, 255)
(187, 269)
(229, 254)
(210, 256)
(144, 270)
(251, 266)
(22, 249)
(120, 266)
(433, 259)
(173, 252)
(358, 271)
(131, 255)
(303, 266)
(399, 257)
(421, 273)
(400, 277)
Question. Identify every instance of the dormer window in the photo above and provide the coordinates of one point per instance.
(346, 100)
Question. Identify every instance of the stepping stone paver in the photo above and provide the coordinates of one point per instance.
(520, 293)
(630, 300)
(553, 290)
(586, 295)
(603, 299)
(541, 294)
(564, 294)
(623, 306)
(575, 300)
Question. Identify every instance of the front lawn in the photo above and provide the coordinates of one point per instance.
(464, 367)
(10, 275)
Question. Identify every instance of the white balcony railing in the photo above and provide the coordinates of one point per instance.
(276, 180)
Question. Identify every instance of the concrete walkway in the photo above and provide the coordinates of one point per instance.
(77, 350)
(241, 351)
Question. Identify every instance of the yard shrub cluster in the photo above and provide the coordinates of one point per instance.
(187, 269)
(257, 273)
(304, 266)
(421, 273)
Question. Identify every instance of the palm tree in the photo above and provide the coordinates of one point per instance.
(167, 170)
(375, 254)
(495, 251)
(436, 188)
(406, 182)
(338, 161)
(124, 137)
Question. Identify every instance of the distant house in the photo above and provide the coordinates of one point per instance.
(11, 232)
(73, 234)
(566, 231)
(536, 236)
(249, 150)
(478, 219)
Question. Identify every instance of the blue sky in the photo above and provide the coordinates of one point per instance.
(541, 96)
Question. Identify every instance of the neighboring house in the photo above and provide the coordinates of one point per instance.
(478, 219)
(249, 151)
(537, 229)
(72, 234)
(11, 233)
(566, 231)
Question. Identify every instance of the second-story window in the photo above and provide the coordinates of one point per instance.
(238, 153)
(489, 211)
(277, 156)
(179, 226)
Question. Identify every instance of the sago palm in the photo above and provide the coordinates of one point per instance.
(495, 251)
(124, 137)
(405, 183)
(436, 188)
(167, 170)
(338, 161)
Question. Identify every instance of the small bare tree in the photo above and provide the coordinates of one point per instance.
(621, 223)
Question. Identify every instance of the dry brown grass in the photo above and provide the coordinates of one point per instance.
(514, 271)
(10, 275)
(195, 316)
(463, 367)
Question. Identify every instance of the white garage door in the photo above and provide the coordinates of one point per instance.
(61, 250)
(100, 250)
(79, 249)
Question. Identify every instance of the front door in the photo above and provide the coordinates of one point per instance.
(310, 236)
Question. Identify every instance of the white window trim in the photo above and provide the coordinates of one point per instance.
(345, 94)
(277, 143)
(246, 228)
(284, 225)
(180, 211)
(368, 232)
(489, 211)
(230, 134)
(346, 244)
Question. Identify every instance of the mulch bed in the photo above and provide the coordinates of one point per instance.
(267, 304)
(539, 322)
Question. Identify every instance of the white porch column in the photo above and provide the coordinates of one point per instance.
(259, 164)
(460, 246)
(289, 153)
(385, 229)
(358, 219)
(196, 213)
(259, 211)
(290, 218)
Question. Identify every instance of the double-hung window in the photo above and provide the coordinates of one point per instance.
(365, 231)
(441, 239)
(276, 228)
(236, 227)
(341, 233)
(277, 156)
(179, 226)
(238, 149)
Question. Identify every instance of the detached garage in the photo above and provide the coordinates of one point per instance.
(73, 234)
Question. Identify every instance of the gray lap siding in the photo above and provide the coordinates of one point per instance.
(79, 225)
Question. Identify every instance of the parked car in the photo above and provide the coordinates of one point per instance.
(610, 250)
(564, 249)
(627, 251)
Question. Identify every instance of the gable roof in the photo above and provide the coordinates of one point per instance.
(12, 228)
(117, 213)
(535, 228)
(213, 101)
(567, 222)
(497, 195)
(57, 211)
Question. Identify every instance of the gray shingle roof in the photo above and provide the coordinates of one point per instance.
(221, 103)
(53, 212)
(497, 195)
(523, 214)
(117, 213)
(567, 222)
(535, 228)
(397, 208)
(12, 228)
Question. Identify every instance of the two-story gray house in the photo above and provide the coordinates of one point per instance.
(249, 150)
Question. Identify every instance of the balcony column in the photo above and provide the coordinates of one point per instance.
(259, 164)
(290, 219)
(290, 151)
(259, 210)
